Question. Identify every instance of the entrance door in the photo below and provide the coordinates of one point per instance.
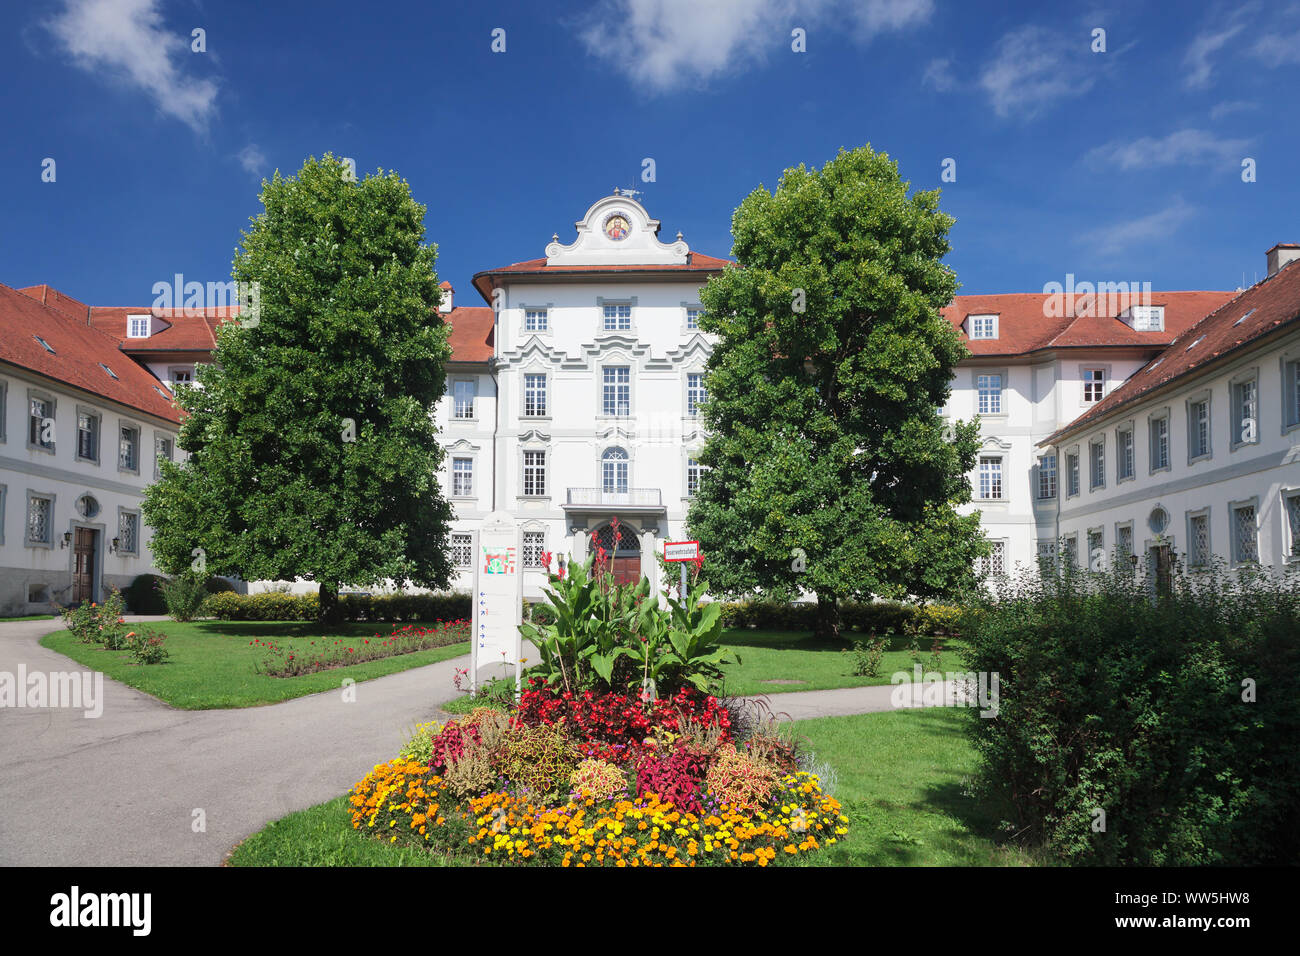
(83, 565)
(1163, 567)
(627, 570)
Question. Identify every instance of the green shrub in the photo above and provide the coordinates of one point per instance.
(83, 622)
(184, 596)
(866, 660)
(420, 747)
(146, 645)
(389, 608)
(867, 617)
(144, 596)
(216, 585)
(541, 759)
(111, 628)
(1115, 701)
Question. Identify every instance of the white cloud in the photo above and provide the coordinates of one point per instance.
(1158, 227)
(665, 45)
(1033, 68)
(1230, 107)
(1279, 50)
(126, 39)
(938, 74)
(252, 159)
(1181, 148)
(1212, 39)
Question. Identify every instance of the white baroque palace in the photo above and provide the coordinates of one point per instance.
(1129, 422)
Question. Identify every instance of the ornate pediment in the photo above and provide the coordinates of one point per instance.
(617, 230)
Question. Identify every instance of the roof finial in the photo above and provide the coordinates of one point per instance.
(679, 235)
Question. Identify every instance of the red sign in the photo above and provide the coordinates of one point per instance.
(681, 550)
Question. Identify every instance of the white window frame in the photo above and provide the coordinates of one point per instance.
(975, 327)
(630, 304)
(984, 565)
(530, 311)
(1191, 538)
(524, 452)
(466, 542)
(1097, 463)
(1193, 402)
(1162, 415)
(1290, 535)
(998, 476)
(626, 460)
(1051, 475)
(52, 411)
(689, 390)
(1073, 473)
(602, 384)
(1289, 368)
(122, 426)
(470, 471)
(159, 437)
(1096, 386)
(28, 541)
(131, 326)
(1236, 416)
(1125, 454)
(97, 417)
(546, 394)
(999, 396)
(122, 515)
(524, 548)
(687, 308)
(1234, 538)
(456, 403)
(692, 455)
(1132, 540)
(4, 410)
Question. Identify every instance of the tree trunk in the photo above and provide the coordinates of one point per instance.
(329, 604)
(828, 617)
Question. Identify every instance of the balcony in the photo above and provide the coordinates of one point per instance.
(634, 500)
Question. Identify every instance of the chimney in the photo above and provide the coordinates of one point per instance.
(1282, 254)
(445, 305)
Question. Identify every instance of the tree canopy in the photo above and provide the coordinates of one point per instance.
(311, 440)
(830, 466)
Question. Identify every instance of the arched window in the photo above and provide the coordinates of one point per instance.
(628, 543)
(613, 471)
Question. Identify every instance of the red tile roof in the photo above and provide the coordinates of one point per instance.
(58, 301)
(1275, 302)
(471, 335)
(78, 351)
(696, 262)
(1024, 325)
(183, 333)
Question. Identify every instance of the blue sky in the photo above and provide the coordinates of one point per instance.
(1123, 165)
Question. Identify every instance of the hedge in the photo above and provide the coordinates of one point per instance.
(877, 617)
(143, 597)
(393, 608)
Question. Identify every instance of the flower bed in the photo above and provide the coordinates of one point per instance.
(601, 780)
(287, 662)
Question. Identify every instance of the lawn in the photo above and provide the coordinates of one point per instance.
(818, 664)
(212, 664)
(900, 776)
(29, 617)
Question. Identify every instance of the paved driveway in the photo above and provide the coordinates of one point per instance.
(121, 789)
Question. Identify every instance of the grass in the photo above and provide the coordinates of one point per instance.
(30, 617)
(900, 776)
(213, 666)
(820, 664)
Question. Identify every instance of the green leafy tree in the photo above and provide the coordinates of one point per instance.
(830, 466)
(312, 447)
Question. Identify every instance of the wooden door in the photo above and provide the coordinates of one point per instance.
(83, 565)
(627, 570)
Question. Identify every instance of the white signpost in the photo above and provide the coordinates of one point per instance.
(682, 551)
(498, 600)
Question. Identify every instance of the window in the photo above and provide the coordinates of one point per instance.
(462, 477)
(1124, 542)
(162, 450)
(87, 436)
(128, 448)
(1097, 464)
(1147, 318)
(990, 477)
(1160, 443)
(1096, 543)
(1198, 429)
(40, 430)
(1047, 477)
(534, 395)
(695, 393)
(613, 471)
(989, 388)
(138, 327)
(1072, 474)
(693, 471)
(983, 326)
(1291, 502)
(4, 408)
(463, 402)
(462, 550)
(534, 473)
(1291, 392)
(995, 562)
(182, 376)
(1046, 554)
(1245, 536)
(1245, 412)
(534, 545)
(693, 317)
(1198, 540)
(535, 320)
(128, 526)
(1094, 385)
(618, 318)
(1070, 550)
(616, 396)
(39, 519)
(1124, 455)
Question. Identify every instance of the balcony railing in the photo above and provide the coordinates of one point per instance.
(632, 498)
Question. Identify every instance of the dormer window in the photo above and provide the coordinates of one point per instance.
(1144, 318)
(982, 326)
(137, 327)
(111, 374)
